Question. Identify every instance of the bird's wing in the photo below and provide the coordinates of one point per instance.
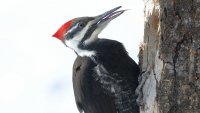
(89, 94)
(118, 87)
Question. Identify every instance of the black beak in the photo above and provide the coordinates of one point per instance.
(108, 16)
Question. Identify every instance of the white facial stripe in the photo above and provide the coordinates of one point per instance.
(70, 30)
(82, 33)
(95, 34)
(73, 44)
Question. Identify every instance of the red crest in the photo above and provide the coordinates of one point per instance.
(59, 34)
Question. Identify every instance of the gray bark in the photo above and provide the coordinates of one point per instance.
(170, 57)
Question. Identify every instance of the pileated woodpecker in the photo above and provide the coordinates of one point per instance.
(104, 76)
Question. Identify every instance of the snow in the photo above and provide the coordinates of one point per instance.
(35, 69)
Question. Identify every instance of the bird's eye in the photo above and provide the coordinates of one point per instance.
(81, 24)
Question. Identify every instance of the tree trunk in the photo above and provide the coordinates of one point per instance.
(170, 57)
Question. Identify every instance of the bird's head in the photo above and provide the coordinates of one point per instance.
(81, 32)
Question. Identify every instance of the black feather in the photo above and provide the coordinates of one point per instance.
(106, 82)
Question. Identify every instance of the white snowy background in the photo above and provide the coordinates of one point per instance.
(35, 68)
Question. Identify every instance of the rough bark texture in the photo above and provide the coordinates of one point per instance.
(170, 57)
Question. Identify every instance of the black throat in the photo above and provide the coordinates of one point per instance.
(89, 33)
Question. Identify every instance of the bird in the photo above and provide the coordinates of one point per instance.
(105, 77)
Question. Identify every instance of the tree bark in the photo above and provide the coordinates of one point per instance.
(170, 57)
